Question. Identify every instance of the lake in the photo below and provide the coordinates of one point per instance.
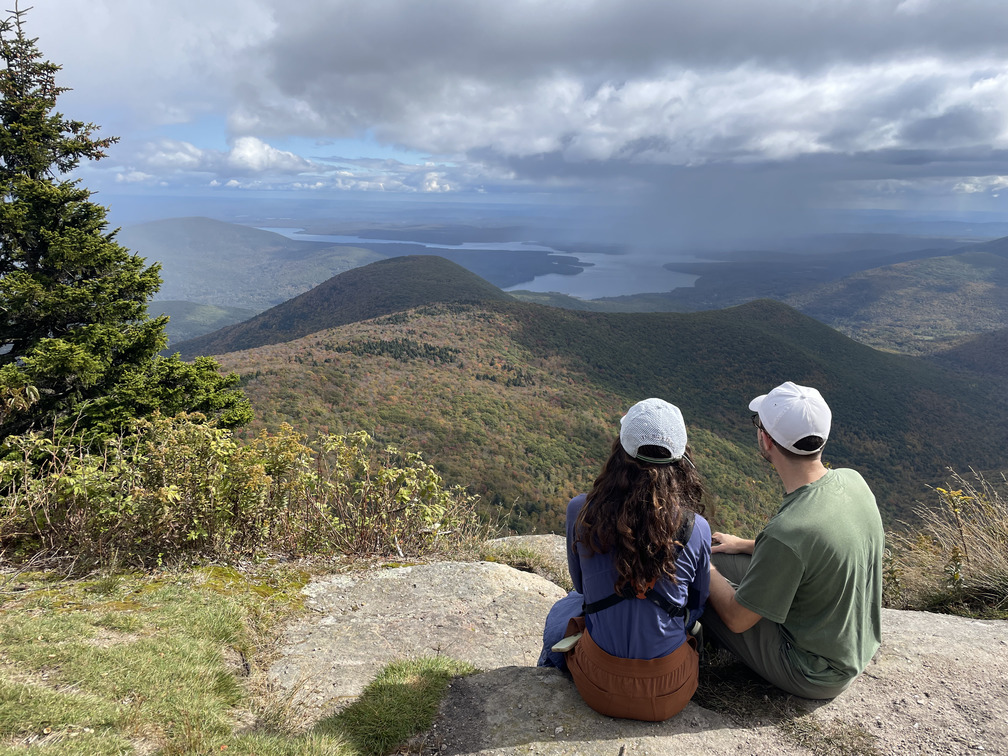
(605, 275)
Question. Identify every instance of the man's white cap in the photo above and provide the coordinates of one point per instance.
(653, 422)
(791, 412)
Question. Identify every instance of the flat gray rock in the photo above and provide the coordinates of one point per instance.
(485, 613)
(937, 685)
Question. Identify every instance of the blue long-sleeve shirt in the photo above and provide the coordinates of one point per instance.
(637, 628)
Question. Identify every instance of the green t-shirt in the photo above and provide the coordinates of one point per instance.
(817, 571)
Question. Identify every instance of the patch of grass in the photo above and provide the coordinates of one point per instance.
(145, 661)
(263, 744)
(32, 713)
(833, 738)
(173, 663)
(106, 583)
(401, 701)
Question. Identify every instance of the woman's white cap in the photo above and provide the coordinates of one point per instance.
(653, 422)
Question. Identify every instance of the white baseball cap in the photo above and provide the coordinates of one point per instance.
(791, 412)
(653, 422)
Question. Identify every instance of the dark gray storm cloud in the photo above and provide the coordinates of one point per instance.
(671, 83)
(761, 112)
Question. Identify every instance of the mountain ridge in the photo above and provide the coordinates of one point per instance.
(357, 294)
(519, 400)
(918, 306)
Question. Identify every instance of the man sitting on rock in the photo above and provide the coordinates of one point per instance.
(801, 604)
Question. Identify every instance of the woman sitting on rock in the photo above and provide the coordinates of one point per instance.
(638, 550)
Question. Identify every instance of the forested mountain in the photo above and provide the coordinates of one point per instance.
(381, 288)
(520, 401)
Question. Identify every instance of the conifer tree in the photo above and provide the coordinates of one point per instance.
(74, 327)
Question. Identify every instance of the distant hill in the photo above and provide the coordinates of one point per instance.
(189, 319)
(787, 274)
(388, 286)
(899, 297)
(995, 247)
(224, 264)
(985, 355)
(743, 276)
(519, 401)
(920, 306)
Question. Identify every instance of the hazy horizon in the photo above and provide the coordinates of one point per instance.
(713, 124)
(615, 264)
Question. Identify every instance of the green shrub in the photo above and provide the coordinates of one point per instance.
(181, 487)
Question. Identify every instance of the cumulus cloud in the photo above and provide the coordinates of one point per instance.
(135, 177)
(247, 156)
(255, 156)
(252, 164)
(982, 184)
(172, 155)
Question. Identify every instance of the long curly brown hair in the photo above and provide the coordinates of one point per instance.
(635, 511)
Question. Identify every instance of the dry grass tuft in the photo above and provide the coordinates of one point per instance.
(957, 561)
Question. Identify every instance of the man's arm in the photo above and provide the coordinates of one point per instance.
(723, 543)
(736, 617)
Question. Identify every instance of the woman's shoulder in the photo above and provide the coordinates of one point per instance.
(701, 529)
(574, 507)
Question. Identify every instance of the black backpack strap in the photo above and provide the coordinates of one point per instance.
(598, 606)
(687, 527)
(652, 595)
(663, 603)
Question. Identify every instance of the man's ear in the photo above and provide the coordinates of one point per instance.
(766, 443)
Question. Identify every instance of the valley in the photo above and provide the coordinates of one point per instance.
(514, 395)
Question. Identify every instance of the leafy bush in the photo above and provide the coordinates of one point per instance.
(178, 487)
(958, 558)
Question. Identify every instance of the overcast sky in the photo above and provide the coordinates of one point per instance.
(721, 111)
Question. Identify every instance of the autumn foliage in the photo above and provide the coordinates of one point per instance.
(180, 488)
